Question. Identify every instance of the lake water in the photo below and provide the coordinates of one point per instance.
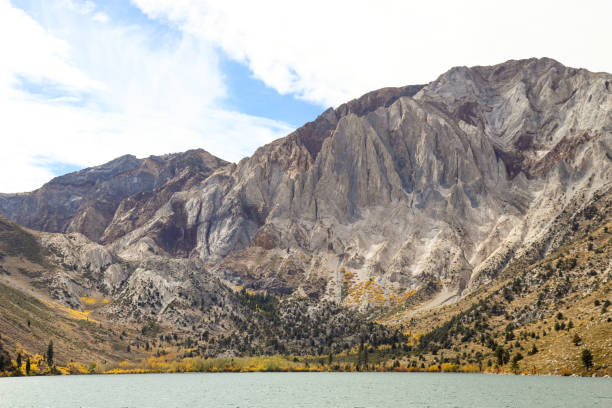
(305, 390)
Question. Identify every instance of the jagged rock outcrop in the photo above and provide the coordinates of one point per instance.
(444, 183)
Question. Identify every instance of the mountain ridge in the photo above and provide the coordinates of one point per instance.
(447, 181)
(75, 201)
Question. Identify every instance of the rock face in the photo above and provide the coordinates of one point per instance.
(86, 201)
(444, 183)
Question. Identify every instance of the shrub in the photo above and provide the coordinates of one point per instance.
(514, 367)
(5, 359)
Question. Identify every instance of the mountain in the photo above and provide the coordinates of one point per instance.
(86, 201)
(400, 201)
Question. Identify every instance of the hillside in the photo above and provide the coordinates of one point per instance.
(547, 311)
(38, 305)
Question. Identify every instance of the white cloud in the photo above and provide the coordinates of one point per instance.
(331, 51)
(99, 88)
(85, 137)
(82, 7)
(29, 51)
(100, 17)
(98, 91)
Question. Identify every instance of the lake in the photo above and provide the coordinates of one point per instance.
(305, 390)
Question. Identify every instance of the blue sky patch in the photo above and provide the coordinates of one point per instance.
(251, 96)
(59, 168)
(51, 91)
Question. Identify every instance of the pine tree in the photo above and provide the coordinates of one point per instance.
(28, 366)
(515, 359)
(587, 358)
(502, 355)
(50, 353)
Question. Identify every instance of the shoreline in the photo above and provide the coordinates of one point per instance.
(294, 371)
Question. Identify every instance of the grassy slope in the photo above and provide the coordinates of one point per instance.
(77, 335)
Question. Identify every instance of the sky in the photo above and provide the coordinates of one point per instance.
(85, 81)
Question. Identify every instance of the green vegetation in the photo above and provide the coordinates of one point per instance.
(49, 354)
(5, 359)
(264, 303)
(587, 358)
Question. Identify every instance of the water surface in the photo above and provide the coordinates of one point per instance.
(305, 390)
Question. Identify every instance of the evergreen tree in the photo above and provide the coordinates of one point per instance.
(28, 366)
(518, 357)
(587, 358)
(502, 355)
(50, 353)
